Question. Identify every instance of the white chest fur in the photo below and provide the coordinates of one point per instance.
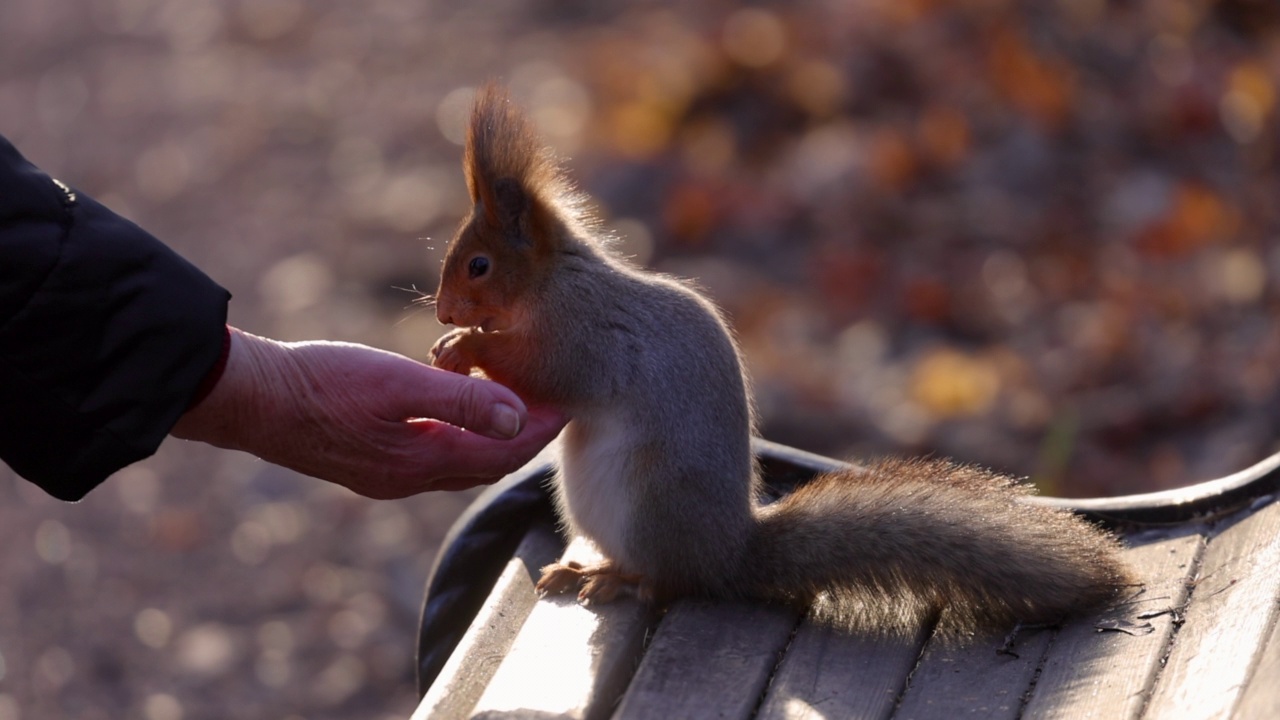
(595, 455)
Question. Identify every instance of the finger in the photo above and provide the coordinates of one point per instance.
(406, 482)
(461, 483)
(448, 451)
(547, 419)
(481, 406)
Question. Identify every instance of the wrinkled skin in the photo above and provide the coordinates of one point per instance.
(375, 422)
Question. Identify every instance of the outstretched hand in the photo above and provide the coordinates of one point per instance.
(378, 423)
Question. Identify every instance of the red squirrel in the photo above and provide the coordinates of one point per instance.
(655, 466)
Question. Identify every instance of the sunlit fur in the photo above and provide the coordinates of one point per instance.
(909, 537)
(656, 466)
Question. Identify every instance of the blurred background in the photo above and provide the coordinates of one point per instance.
(1040, 235)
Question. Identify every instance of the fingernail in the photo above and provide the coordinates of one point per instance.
(505, 420)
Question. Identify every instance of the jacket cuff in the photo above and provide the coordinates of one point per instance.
(211, 379)
(106, 334)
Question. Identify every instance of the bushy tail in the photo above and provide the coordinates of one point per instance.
(907, 538)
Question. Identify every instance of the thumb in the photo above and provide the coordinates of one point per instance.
(481, 406)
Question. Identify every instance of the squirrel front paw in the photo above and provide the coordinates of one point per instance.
(446, 355)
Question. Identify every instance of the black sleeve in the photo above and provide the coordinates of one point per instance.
(105, 333)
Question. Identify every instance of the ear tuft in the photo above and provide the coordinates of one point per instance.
(510, 173)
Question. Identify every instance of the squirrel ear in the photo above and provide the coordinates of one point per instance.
(514, 180)
(518, 214)
(509, 203)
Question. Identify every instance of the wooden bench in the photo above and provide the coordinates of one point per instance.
(1200, 640)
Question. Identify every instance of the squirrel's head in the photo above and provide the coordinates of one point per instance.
(517, 226)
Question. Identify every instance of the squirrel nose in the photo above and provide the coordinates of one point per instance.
(444, 312)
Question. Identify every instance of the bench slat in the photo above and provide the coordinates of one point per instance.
(828, 674)
(708, 654)
(568, 660)
(1261, 700)
(974, 678)
(1232, 607)
(1089, 673)
(474, 661)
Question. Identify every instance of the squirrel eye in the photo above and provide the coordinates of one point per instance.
(478, 266)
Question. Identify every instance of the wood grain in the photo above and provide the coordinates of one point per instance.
(829, 674)
(463, 678)
(1232, 609)
(1261, 699)
(1109, 673)
(975, 679)
(708, 659)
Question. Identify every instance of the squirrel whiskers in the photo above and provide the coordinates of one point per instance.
(656, 467)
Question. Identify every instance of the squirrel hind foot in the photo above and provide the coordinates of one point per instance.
(598, 584)
(606, 586)
(559, 578)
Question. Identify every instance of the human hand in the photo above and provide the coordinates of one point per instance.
(375, 422)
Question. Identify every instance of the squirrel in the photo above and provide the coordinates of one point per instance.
(655, 467)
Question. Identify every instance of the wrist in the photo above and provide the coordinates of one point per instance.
(231, 406)
(215, 373)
